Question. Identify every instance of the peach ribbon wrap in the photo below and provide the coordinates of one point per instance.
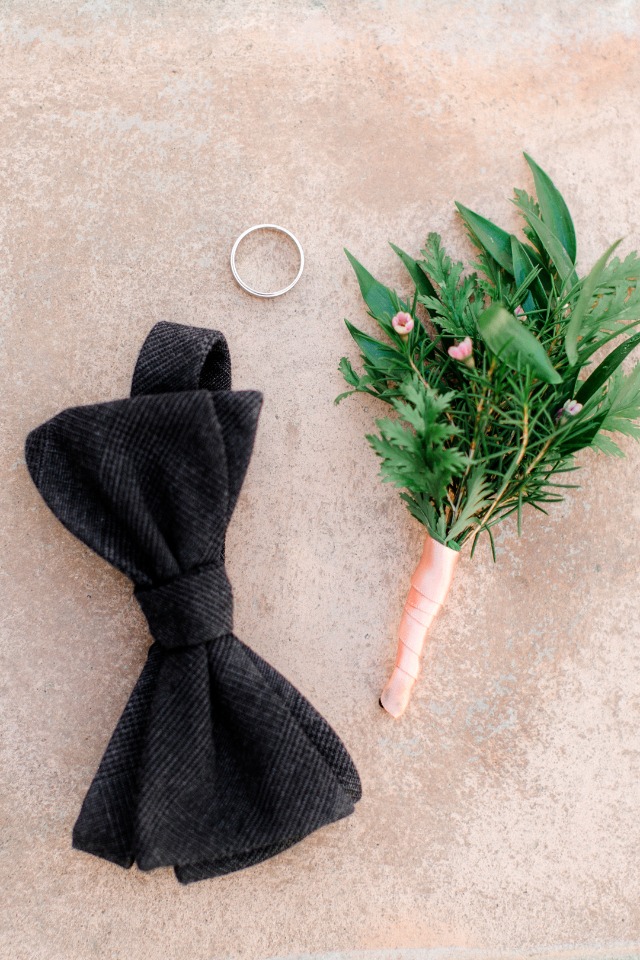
(429, 587)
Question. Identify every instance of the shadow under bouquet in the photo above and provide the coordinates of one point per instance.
(484, 369)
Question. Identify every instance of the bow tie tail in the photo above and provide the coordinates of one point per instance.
(106, 823)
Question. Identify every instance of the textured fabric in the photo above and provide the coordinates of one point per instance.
(217, 762)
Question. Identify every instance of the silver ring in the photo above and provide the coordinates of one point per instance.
(245, 286)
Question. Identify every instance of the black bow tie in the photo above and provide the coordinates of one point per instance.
(217, 762)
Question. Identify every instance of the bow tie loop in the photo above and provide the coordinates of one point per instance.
(190, 610)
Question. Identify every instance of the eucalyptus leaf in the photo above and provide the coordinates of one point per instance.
(553, 208)
(493, 239)
(514, 344)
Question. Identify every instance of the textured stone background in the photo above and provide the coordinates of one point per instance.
(500, 816)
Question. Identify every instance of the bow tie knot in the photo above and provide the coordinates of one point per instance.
(194, 608)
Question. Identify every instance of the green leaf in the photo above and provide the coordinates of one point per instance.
(555, 212)
(598, 344)
(578, 314)
(419, 277)
(553, 246)
(604, 370)
(623, 404)
(453, 309)
(493, 239)
(582, 434)
(416, 449)
(514, 344)
(491, 541)
(348, 372)
(618, 296)
(606, 445)
(377, 353)
(522, 267)
(382, 302)
(423, 510)
(476, 500)
(526, 204)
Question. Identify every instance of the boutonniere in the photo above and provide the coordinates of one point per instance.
(491, 375)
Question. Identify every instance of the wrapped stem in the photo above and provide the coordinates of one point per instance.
(429, 587)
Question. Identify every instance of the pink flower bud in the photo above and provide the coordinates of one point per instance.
(402, 323)
(462, 351)
(569, 409)
(519, 312)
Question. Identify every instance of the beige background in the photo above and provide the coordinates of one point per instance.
(138, 140)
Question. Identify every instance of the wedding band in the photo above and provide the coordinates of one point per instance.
(241, 282)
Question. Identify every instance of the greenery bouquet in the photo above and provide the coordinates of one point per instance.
(484, 369)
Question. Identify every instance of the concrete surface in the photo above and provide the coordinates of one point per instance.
(500, 816)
